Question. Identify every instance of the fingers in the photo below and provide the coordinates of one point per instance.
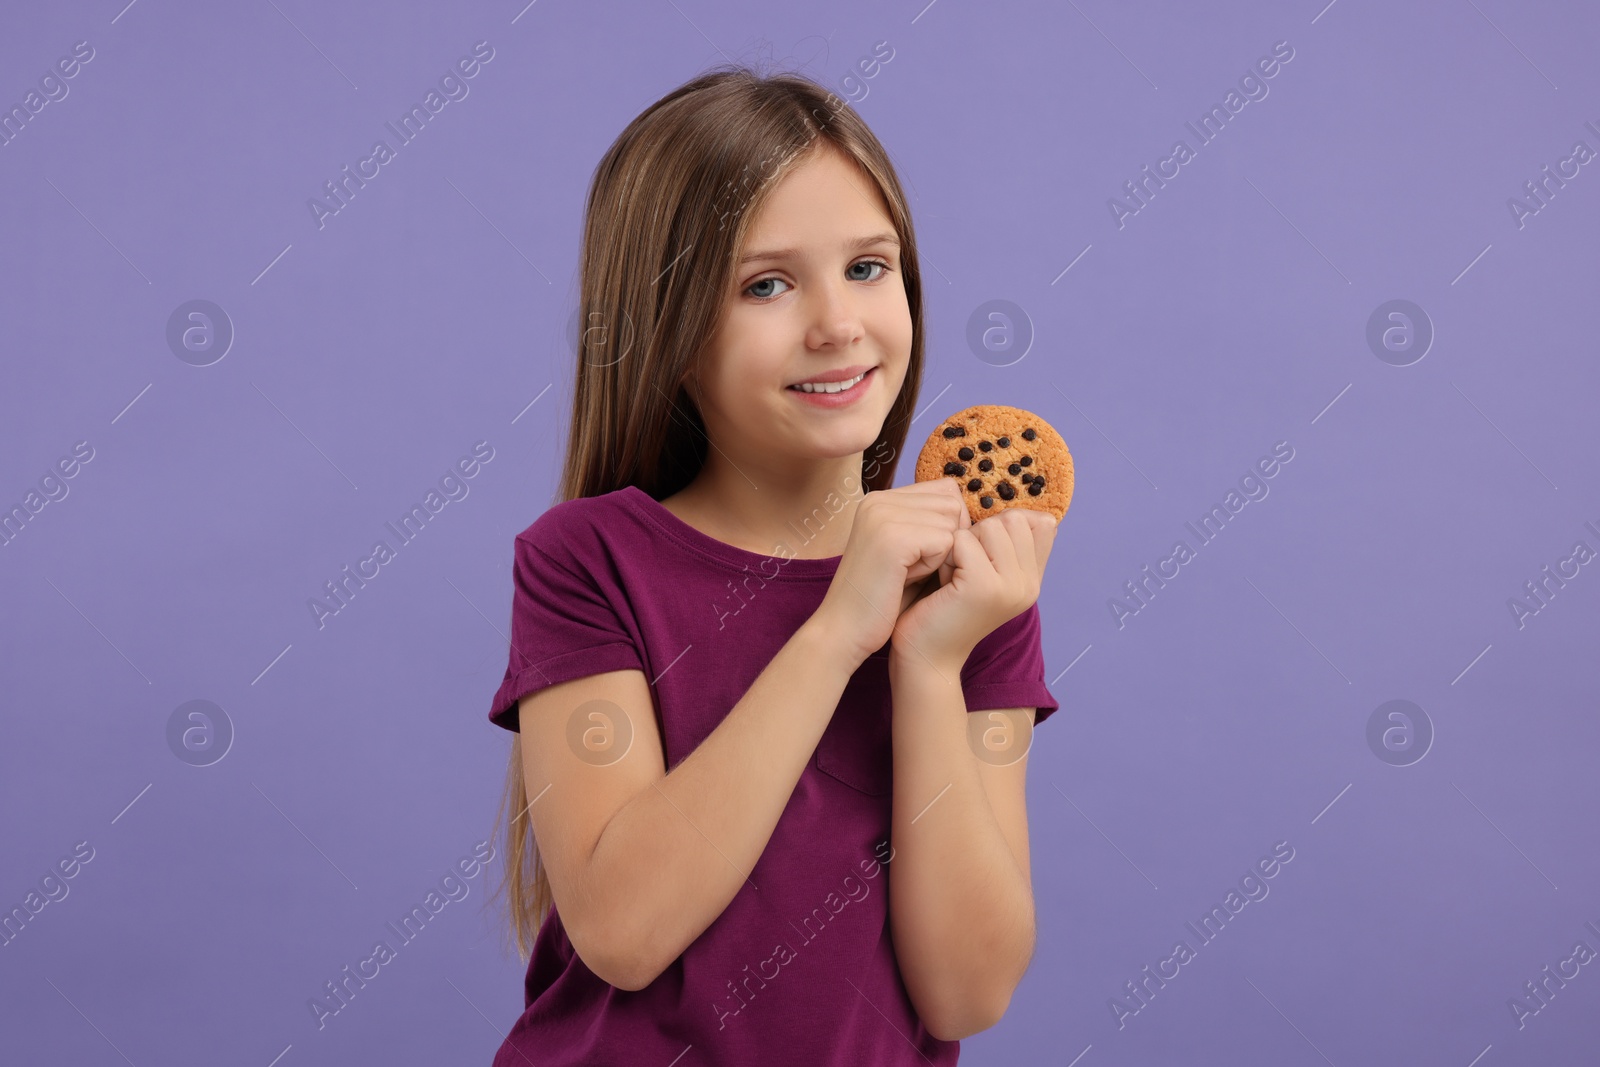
(929, 536)
(932, 485)
(969, 551)
(1003, 538)
(966, 516)
(933, 508)
(1021, 545)
(940, 496)
(1044, 536)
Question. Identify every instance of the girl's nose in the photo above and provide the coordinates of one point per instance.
(837, 320)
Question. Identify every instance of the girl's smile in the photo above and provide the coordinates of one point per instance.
(830, 394)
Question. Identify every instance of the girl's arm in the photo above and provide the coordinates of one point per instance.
(641, 861)
(961, 899)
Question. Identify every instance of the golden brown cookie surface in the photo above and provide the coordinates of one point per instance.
(1002, 457)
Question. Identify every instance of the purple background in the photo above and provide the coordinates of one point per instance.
(1228, 314)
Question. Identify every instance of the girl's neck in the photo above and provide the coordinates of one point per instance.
(759, 513)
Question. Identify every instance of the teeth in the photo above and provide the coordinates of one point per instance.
(828, 387)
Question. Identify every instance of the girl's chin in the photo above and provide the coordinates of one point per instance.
(839, 443)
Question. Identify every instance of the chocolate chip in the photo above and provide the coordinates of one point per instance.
(1026, 461)
(1028, 434)
(1035, 488)
(974, 485)
(1005, 490)
(965, 453)
(986, 464)
(955, 431)
(1004, 442)
(986, 501)
(955, 468)
(1038, 479)
(1026, 478)
(1015, 468)
(985, 445)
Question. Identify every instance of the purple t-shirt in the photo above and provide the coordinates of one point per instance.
(803, 971)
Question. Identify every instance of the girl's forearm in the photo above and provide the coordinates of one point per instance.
(961, 910)
(672, 858)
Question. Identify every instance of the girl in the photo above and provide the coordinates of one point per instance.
(741, 663)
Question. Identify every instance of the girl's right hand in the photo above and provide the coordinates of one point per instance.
(898, 539)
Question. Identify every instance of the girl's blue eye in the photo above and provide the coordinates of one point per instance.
(764, 296)
(773, 296)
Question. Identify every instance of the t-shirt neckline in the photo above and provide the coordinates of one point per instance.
(703, 543)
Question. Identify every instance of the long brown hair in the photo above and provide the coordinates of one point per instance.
(667, 213)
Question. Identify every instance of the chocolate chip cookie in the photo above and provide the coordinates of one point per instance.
(1002, 457)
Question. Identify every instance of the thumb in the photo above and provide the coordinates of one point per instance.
(967, 551)
(1044, 527)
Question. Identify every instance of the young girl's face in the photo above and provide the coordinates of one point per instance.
(831, 299)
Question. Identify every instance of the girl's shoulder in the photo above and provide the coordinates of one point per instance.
(570, 530)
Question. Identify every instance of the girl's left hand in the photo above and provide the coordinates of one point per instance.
(993, 574)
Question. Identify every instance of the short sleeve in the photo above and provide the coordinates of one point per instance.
(562, 627)
(1006, 669)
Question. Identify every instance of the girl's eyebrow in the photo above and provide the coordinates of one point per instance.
(851, 246)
